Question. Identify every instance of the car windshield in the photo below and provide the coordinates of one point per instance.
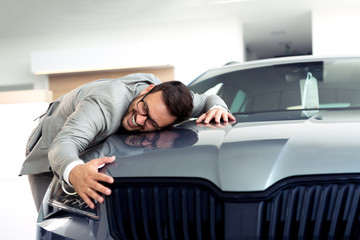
(310, 86)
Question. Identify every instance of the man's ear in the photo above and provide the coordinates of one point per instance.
(148, 89)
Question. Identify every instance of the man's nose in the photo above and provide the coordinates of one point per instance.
(141, 119)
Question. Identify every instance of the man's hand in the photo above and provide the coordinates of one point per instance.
(217, 114)
(85, 179)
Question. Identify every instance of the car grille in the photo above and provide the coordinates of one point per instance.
(178, 210)
(321, 211)
(165, 212)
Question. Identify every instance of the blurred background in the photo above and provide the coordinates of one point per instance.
(48, 47)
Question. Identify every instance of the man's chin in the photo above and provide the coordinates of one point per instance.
(129, 128)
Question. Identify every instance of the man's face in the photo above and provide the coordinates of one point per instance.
(152, 140)
(147, 115)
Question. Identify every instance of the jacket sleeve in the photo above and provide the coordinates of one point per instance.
(203, 103)
(92, 118)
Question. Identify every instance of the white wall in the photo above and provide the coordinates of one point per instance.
(335, 31)
(191, 47)
(17, 207)
(15, 61)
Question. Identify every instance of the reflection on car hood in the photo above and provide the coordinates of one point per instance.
(251, 155)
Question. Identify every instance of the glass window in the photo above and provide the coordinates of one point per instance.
(295, 86)
(239, 102)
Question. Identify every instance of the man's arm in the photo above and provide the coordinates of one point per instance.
(80, 129)
(210, 107)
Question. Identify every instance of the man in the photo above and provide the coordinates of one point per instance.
(90, 113)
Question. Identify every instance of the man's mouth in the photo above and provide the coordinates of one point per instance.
(134, 121)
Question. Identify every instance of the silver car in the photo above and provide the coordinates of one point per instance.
(288, 168)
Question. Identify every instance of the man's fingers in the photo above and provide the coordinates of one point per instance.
(104, 160)
(93, 192)
(209, 116)
(101, 188)
(94, 195)
(201, 118)
(217, 115)
(85, 178)
(225, 117)
(104, 178)
(231, 117)
(86, 199)
(220, 115)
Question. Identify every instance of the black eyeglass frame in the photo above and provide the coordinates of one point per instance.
(152, 122)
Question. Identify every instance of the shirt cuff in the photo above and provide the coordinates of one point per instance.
(68, 170)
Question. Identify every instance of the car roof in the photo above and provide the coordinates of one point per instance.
(233, 66)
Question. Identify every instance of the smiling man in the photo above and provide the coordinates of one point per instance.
(163, 101)
(90, 113)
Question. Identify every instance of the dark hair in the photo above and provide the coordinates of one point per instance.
(177, 98)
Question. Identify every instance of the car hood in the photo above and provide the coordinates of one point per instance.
(251, 154)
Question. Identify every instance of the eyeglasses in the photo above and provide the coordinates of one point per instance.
(143, 110)
(149, 140)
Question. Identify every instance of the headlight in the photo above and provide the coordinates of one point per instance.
(64, 198)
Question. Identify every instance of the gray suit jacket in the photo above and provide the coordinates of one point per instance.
(85, 116)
